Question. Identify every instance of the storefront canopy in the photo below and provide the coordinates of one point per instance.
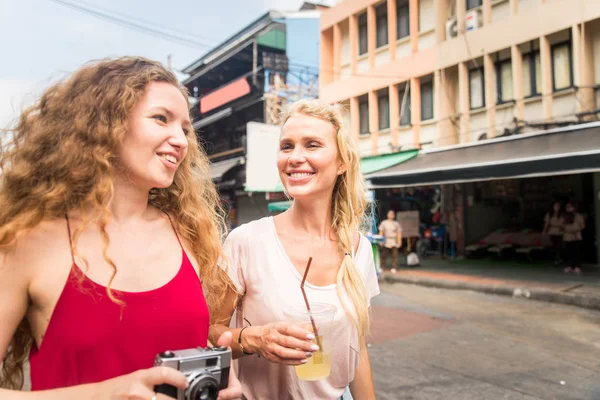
(369, 165)
(568, 150)
(218, 169)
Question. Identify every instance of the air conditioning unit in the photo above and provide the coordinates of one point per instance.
(451, 28)
(473, 19)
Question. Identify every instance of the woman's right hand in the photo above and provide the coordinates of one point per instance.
(140, 385)
(280, 342)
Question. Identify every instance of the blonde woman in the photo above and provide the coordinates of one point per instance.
(109, 237)
(318, 164)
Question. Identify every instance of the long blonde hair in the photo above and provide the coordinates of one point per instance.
(61, 159)
(347, 208)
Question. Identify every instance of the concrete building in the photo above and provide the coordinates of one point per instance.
(422, 73)
(460, 78)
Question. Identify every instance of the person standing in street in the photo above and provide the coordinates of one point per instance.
(574, 225)
(391, 230)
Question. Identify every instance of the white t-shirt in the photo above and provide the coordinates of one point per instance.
(269, 283)
(390, 232)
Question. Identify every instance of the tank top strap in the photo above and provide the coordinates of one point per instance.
(175, 230)
(70, 239)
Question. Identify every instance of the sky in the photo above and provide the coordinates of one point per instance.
(42, 41)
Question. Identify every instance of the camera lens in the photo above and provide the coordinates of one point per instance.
(202, 387)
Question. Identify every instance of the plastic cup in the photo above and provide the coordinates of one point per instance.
(319, 365)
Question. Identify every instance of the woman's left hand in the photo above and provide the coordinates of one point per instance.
(234, 390)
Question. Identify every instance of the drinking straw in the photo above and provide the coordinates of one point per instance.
(312, 320)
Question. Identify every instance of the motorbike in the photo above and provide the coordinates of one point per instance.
(431, 240)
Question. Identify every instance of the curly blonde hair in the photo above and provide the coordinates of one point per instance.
(46, 175)
(347, 209)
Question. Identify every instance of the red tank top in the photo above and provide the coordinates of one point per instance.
(90, 339)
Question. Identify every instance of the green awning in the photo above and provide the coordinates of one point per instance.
(376, 163)
(278, 206)
(278, 187)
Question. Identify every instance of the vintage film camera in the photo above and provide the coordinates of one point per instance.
(207, 371)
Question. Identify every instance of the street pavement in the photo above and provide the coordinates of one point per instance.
(536, 281)
(431, 343)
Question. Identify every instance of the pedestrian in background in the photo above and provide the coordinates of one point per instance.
(391, 230)
(554, 224)
(319, 167)
(573, 227)
(109, 237)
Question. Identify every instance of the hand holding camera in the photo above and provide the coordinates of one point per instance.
(206, 371)
(138, 385)
(164, 382)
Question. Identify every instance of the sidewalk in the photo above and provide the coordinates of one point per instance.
(535, 281)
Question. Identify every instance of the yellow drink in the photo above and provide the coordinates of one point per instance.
(317, 367)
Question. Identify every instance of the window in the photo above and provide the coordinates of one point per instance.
(532, 74)
(383, 104)
(381, 25)
(476, 88)
(363, 110)
(426, 101)
(402, 20)
(562, 77)
(473, 4)
(363, 44)
(404, 100)
(504, 81)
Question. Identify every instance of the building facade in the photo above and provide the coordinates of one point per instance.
(498, 96)
(425, 73)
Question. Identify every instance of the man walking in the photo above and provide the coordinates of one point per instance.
(391, 230)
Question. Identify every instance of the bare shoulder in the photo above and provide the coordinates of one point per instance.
(35, 247)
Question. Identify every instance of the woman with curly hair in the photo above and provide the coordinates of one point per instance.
(319, 167)
(110, 233)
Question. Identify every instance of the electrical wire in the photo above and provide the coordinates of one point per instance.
(128, 22)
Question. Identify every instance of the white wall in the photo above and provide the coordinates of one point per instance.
(362, 65)
(382, 56)
(345, 45)
(500, 11)
(504, 118)
(405, 137)
(564, 105)
(364, 146)
(427, 40)
(426, 15)
(527, 4)
(403, 48)
(478, 125)
(345, 72)
(383, 144)
(595, 32)
(533, 110)
(429, 134)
